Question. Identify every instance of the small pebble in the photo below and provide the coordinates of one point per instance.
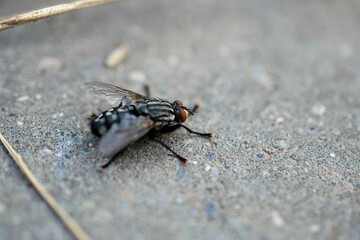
(332, 155)
(47, 151)
(23, 98)
(278, 221)
(260, 155)
(283, 144)
(138, 76)
(300, 130)
(20, 123)
(49, 64)
(210, 156)
(314, 228)
(318, 109)
(38, 96)
(280, 120)
(207, 167)
(85, 149)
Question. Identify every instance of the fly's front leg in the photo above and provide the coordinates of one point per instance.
(195, 108)
(209, 135)
(171, 128)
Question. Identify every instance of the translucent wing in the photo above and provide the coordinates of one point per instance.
(130, 129)
(115, 95)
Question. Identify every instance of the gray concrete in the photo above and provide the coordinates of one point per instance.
(279, 84)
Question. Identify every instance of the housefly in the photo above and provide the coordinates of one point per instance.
(133, 116)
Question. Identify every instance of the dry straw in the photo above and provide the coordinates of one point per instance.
(69, 222)
(19, 19)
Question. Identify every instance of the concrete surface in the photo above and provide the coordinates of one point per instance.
(279, 84)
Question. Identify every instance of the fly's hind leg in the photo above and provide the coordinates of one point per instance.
(152, 136)
(182, 159)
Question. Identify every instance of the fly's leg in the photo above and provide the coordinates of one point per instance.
(168, 148)
(147, 90)
(170, 128)
(209, 135)
(176, 126)
(195, 108)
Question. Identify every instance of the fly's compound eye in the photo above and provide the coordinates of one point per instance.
(179, 102)
(183, 115)
(180, 111)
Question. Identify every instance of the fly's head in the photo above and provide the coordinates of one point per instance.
(181, 112)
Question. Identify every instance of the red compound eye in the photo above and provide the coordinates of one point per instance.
(183, 115)
(179, 102)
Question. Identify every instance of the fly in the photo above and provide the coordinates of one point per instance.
(133, 116)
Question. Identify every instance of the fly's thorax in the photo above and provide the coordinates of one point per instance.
(160, 110)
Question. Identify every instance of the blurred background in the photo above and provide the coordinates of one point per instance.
(278, 83)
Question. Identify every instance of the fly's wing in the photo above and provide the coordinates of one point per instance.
(130, 129)
(115, 95)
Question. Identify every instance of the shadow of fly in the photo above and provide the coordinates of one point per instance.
(134, 116)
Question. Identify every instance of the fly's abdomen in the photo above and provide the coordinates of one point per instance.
(102, 123)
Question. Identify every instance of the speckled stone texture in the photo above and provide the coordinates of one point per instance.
(278, 82)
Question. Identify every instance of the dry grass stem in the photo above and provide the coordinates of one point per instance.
(19, 19)
(117, 56)
(69, 222)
